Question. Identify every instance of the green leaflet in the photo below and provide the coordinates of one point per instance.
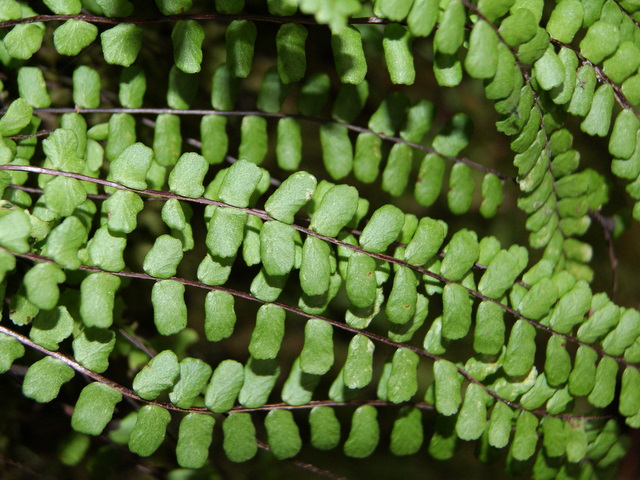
(364, 434)
(488, 334)
(554, 436)
(157, 376)
(582, 97)
(317, 353)
(598, 119)
(11, 349)
(600, 41)
(268, 332)
(538, 301)
(289, 144)
(167, 141)
(472, 418)
(521, 349)
(561, 95)
(461, 254)
(337, 151)
(44, 378)
(403, 379)
(73, 448)
(122, 208)
(460, 194)
(605, 383)
(41, 284)
(220, 316)
(348, 53)
(325, 428)
(401, 303)
(360, 281)
(121, 44)
(577, 441)
(169, 308)
(395, 176)
(94, 408)
(131, 165)
(224, 386)
(358, 367)
(187, 175)
(115, 8)
(267, 288)
(194, 375)
(134, 164)
(253, 145)
(224, 88)
(290, 196)
(251, 240)
(456, 307)
(538, 394)
(397, 52)
(283, 434)
(225, 232)
(500, 275)
(407, 434)
(214, 138)
(422, 17)
(314, 94)
(239, 183)
(629, 394)
(419, 120)
(525, 437)
(549, 70)
(571, 308)
(558, 362)
(290, 45)
(299, 386)
(163, 258)
(426, 241)
(500, 424)
(495, 10)
(391, 115)
(240, 39)
(443, 443)
(624, 334)
(133, 84)
(187, 37)
(229, 6)
(336, 209)
(492, 195)
(622, 142)
(32, 87)
(73, 35)
(448, 383)
(149, 430)
(481, 61)
(565, 20)
(92, 347)
(194, 439)
(64, 241)
(282, 7)
(623, 63)
(259, 379)
(449, 36)
(349, 103)
(239, 437)
(382, 229)
(64, 194)
(22, 41)
(50, 327)
(273, 92)
(97, 293)
(396, 11)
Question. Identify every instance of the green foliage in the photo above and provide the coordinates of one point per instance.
(288, 268)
